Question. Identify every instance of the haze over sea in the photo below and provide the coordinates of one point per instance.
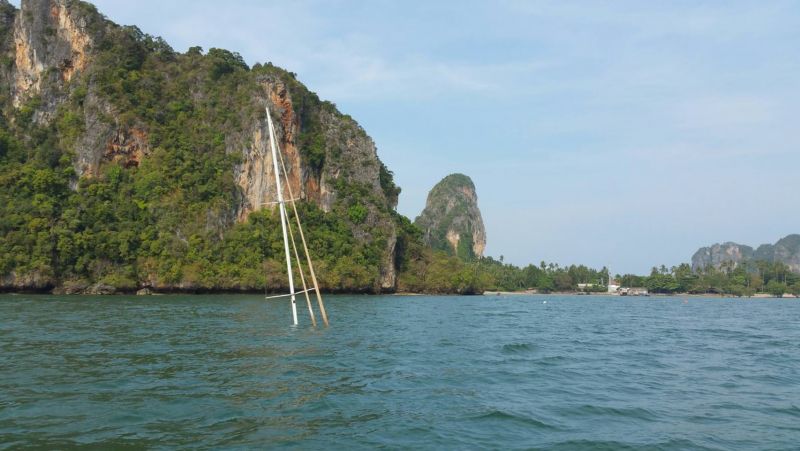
(555, 372)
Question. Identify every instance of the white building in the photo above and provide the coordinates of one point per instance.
(613, 285)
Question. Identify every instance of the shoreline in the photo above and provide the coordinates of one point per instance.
(205, 292)
(605, 294)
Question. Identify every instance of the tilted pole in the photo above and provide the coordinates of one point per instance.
(311, 270)
(300, 270)
(283, 213)
(305, 248)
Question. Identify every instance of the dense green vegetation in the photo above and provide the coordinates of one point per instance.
(434, 271)
(438, 272)
(129, 227)
(742, 280)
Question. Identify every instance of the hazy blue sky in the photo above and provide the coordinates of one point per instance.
(613, 133)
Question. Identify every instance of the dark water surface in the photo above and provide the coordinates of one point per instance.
(400, 372)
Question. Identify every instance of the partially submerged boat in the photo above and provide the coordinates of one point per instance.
(289, 237)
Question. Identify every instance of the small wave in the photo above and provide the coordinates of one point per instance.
(553, 360)
(594, 445)
(737, 334)
(499, 415)
(601, 445)
(637, 413)
(707, 419)
(516, 348)
(778, 380)
(791, 411)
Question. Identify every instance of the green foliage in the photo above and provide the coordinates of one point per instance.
(312, 149)
(34, 187)
(465, 250)
(437, 272)
(357, 213)
(544, 278)
(224, 62)
(391, 190)
(741, 280)
(70, 127)
(662, 283)
(776, 288)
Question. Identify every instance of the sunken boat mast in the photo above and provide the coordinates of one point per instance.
(289, 236)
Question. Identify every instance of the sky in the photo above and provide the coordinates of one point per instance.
(618, 133)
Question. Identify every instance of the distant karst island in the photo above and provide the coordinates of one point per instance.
(732, 255)
(451, 220)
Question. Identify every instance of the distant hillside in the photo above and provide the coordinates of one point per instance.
(451, 220)
(786, 251)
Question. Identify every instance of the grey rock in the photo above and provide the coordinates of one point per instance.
(786, 251)
(718, 254)
(72, 287)
(100, 289)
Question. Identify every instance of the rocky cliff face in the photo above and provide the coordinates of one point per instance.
(786, 251)
(346, 155)
(451, 220)
(102, 93)
(719, 254)
(52, 43)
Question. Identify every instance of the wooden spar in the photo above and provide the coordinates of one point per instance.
(283, 213)
(278, 296)
(305, 247)
(300, 270)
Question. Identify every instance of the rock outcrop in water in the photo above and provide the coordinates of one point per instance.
(786, 251)
(183, 134)
(451, 220)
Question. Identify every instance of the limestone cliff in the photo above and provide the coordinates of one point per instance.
(786, 251)
(106, 98)
(718, 254)
(347, 155)
(52, 43)
(451, 220)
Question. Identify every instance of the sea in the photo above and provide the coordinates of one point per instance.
(400, 372)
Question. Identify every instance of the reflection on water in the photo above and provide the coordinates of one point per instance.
(463, 372)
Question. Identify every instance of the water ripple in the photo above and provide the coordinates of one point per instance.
(501, 372)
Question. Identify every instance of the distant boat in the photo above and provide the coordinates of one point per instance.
(289, 237)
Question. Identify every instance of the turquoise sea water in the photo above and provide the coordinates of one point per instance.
(550, 372)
